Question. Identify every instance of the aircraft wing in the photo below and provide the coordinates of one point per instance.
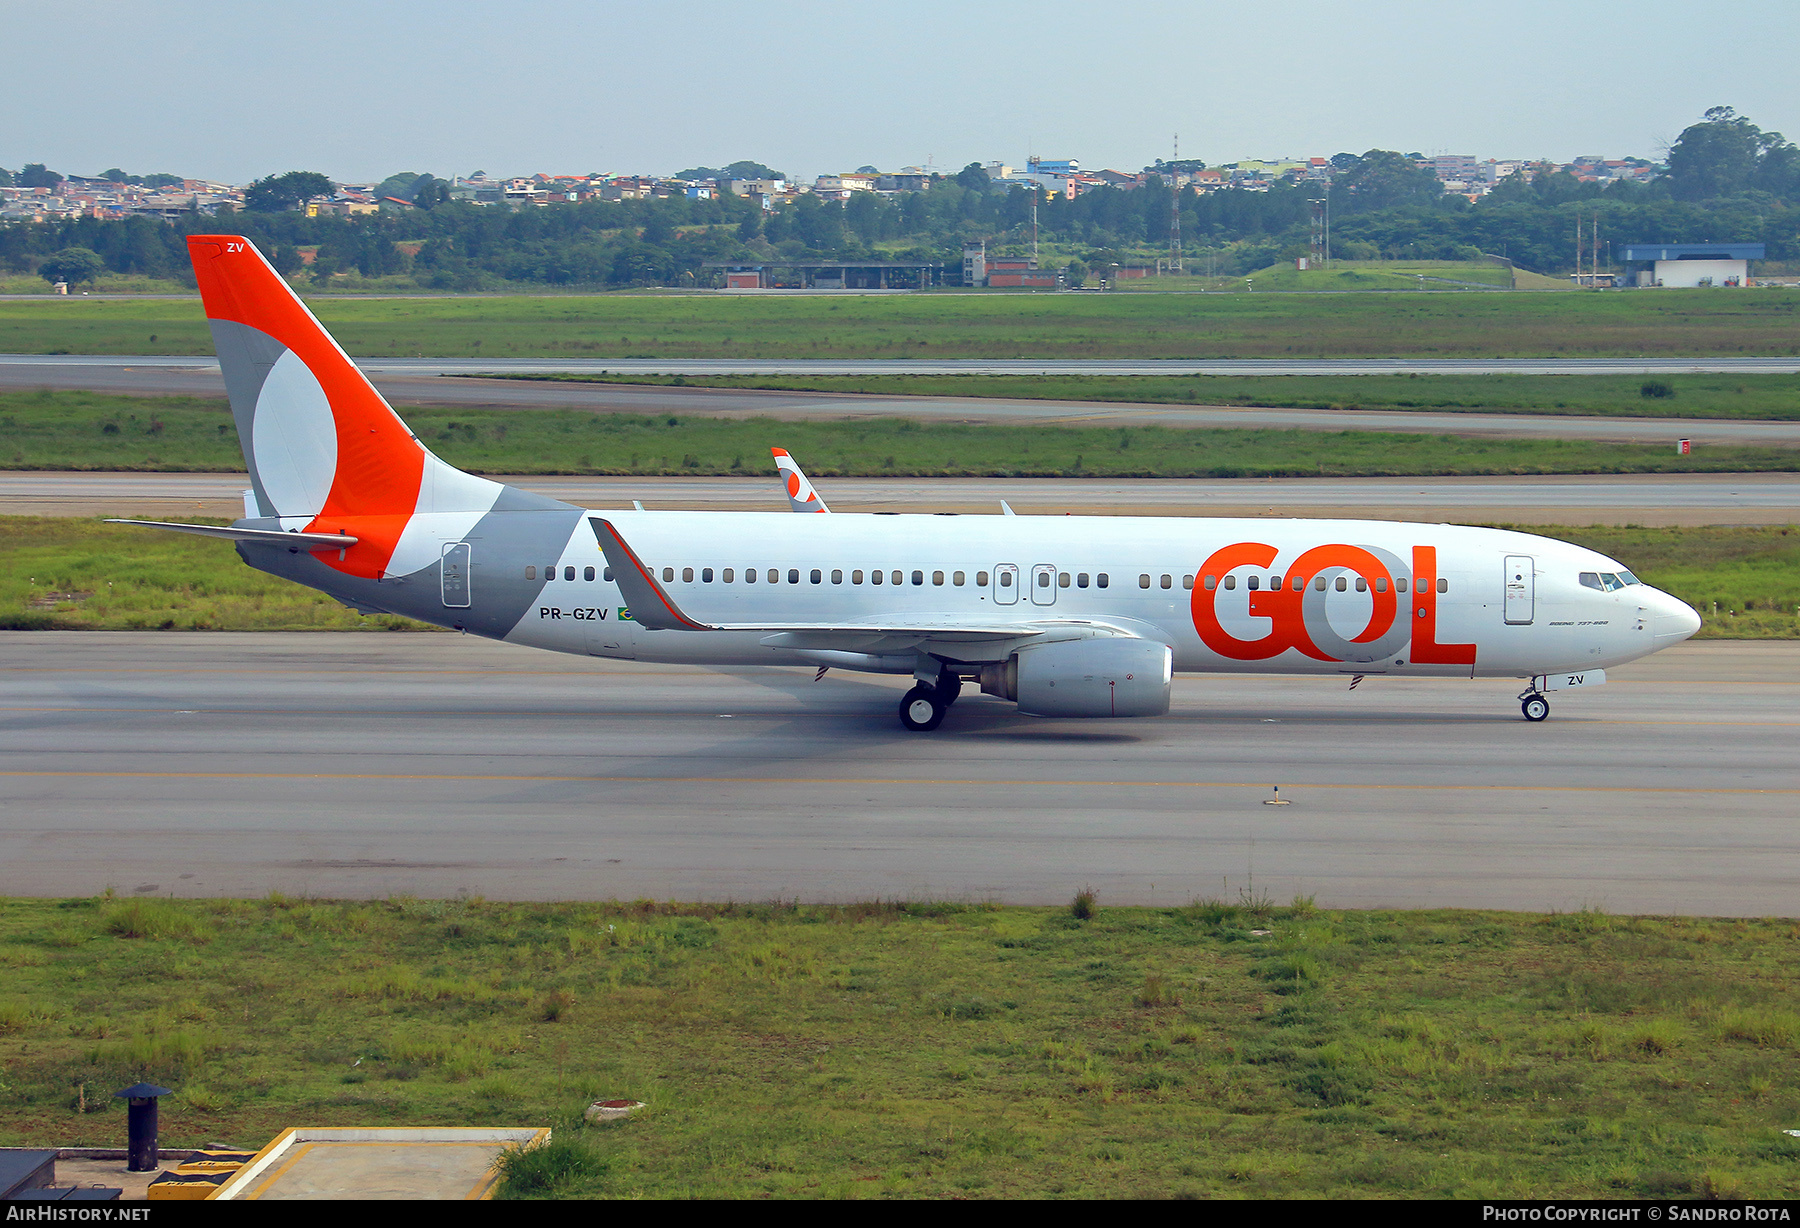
(270, 537)
(652, 606)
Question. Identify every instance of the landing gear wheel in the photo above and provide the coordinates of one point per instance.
(1535, 707)
(922, 710)
(949, 686)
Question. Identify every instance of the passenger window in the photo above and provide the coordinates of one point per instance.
(1230, 581)
(1274, 584)
(1298, 583)
(749, 575)
(587, 573)
(606, 575)
(726, 575)
(1062, 580)
(877, 577)
(1399, 585)
(1006, 579)
(568, 573)
(1143, 580)
(687, 575)
(856, 576)
(937, 578)
(1343, 584)
(1167, 581)
(1081, 581)
(837, 576)
(958, 578)
(531, 572)
(981, 579)
(897, 577)
(817, 576)
(1187, 582)
(793, 575)
(1443, 585)
(1102, 580)
(774, 576)
(550, 572)
(668, 575)
(1319, 584)
(1043, 579)
(1255, 583)
(918, 578)
(1211, 583)
(706, 575)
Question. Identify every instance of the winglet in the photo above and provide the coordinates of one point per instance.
(649, 603)
(801, 495)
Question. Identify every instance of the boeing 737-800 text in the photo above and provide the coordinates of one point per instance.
(1064, 615)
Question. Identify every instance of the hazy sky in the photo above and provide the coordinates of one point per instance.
(359, 89)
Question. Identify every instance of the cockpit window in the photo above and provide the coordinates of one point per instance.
(1629, 578)
(1591, 579)
(1613, 583)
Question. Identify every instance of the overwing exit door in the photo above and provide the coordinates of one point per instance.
(1006, 583)
(1520, 590)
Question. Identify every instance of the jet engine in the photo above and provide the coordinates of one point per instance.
(1091, 677)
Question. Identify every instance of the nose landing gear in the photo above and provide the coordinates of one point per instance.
(1533, 704)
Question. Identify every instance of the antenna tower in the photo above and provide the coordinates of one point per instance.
(1175, 212)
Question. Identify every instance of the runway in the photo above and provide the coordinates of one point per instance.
(994, 366)
(407, 382)
(364, 765)
(1672, 499)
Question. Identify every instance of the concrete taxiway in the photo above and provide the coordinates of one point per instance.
(439, 382)
(1670, 499)
(370, 764)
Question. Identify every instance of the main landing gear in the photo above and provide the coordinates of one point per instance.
(923, 707)
(1533, 704)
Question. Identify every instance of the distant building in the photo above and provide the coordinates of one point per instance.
(974, 263)
(1461, 167)
(1690, 264)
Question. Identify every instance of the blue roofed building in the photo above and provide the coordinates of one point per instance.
(1690, 264)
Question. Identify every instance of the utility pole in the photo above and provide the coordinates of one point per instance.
(1175, 212)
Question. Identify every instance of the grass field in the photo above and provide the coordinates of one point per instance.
(79, 430)
(62, 573)
(888, 1050)
(1664, 322)
(1773, 398)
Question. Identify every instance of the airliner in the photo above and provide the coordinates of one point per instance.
(1065, 616)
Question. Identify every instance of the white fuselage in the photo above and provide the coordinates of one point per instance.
(1375, 596)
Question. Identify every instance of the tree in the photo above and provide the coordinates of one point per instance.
(973, 177)
(1383, 179)
(398, 186)
(1727, 155)
(73, 265)
(6, 178)
(742, 169)
(36, 176)
(429, 191)
(162, 179)
(1077, 273)
(280, 193)
(115, 175)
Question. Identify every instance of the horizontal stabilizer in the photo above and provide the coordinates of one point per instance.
(271, 537)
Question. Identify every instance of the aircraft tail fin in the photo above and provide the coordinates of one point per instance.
(801, 495)
(322, 445)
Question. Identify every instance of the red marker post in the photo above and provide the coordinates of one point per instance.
(1684, 446)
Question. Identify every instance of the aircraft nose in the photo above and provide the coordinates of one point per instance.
(1675, 620)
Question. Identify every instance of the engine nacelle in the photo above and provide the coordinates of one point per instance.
(1113, 676)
